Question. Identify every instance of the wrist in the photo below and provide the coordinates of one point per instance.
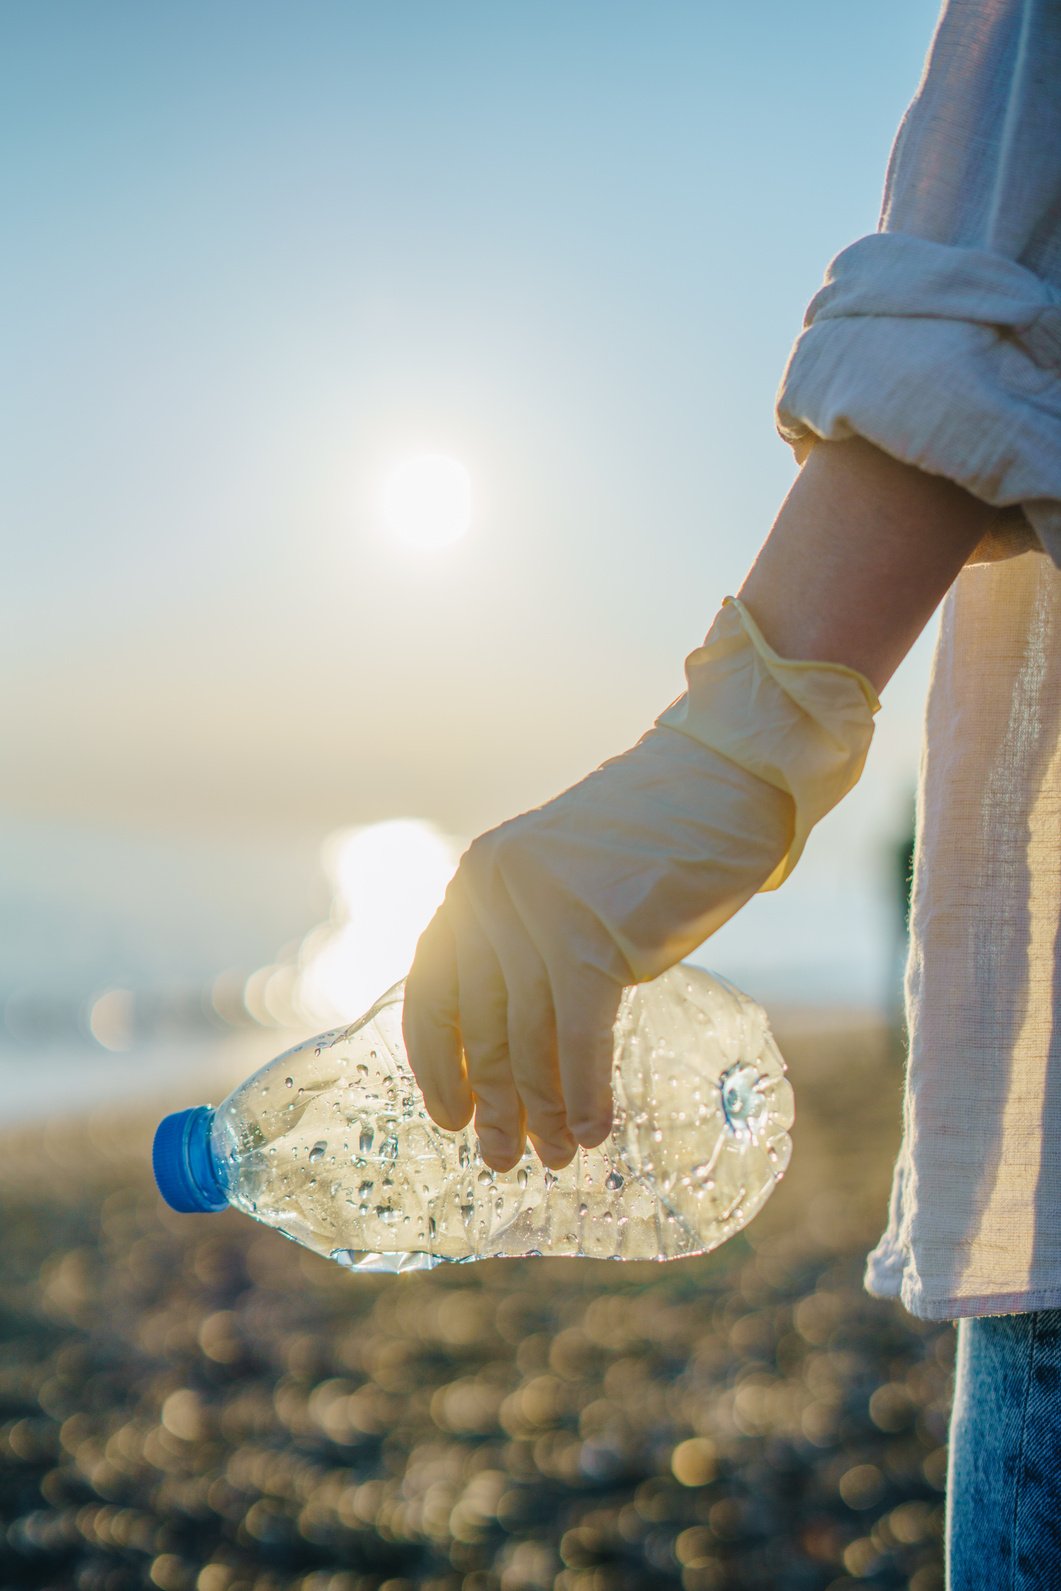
(802, 726)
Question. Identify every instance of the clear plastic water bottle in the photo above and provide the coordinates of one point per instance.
(331, 1145)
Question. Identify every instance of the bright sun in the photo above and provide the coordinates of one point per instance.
(427, 500)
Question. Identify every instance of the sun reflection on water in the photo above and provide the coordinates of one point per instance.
(387, 881)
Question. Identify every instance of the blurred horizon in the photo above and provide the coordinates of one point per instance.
(260, 256)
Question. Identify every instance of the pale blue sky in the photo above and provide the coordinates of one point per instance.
(256, 251)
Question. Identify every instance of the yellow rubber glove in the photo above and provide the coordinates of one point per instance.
(802, 727)
(516, 983)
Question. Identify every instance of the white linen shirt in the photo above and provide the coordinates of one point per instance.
(938, 338)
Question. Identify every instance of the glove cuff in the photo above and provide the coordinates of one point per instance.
(803, 727)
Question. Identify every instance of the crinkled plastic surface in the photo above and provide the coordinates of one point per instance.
(330, 1144)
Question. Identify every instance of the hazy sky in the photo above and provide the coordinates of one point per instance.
(254, 253)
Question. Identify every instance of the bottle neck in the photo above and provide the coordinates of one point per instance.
(186, 1171)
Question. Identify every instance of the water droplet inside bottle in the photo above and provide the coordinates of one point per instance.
(720, 1110)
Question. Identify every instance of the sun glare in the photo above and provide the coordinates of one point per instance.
(427, 500)
(387, 879)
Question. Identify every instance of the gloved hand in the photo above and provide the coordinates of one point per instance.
(517, 980)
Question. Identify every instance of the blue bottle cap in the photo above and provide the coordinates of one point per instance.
(184, 1166)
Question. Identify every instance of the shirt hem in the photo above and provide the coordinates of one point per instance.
(954, 1306)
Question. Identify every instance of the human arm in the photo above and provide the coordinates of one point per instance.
(938, 337)
(516, 982)
(860, 554)
(923, 397)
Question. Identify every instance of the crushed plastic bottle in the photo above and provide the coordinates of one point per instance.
(331, 1145)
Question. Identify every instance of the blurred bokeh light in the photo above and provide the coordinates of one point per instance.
(192, 1403)
(296, 296)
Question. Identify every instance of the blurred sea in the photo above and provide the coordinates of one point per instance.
(133, 961)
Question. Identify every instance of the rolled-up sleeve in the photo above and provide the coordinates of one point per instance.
(938, 338)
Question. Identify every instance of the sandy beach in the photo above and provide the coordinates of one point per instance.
(192, 1404)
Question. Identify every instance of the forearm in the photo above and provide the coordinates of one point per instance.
(511, 1000)
(860, 554)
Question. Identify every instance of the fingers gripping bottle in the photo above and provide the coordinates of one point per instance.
(331, 1145)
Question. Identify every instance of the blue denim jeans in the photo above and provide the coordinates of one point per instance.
(1004, 1482)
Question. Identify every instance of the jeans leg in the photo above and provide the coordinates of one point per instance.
(1004, 1479)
